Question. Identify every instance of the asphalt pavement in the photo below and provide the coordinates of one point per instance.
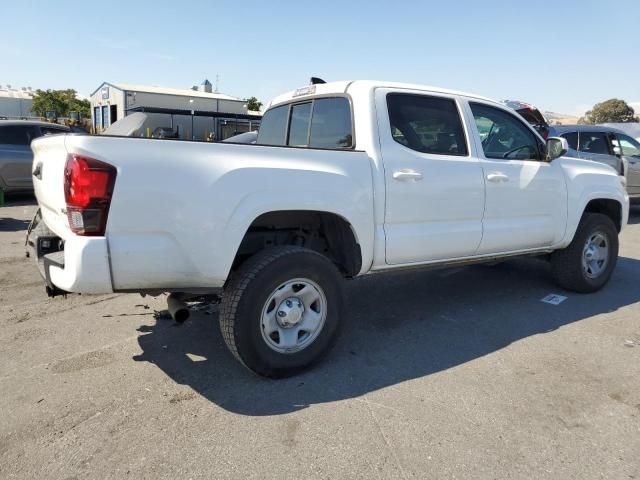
(460, 373)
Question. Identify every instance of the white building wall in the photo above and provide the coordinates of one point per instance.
(107, 95)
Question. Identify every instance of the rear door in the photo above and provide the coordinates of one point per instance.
(526, 199)
(434, 185)
(16, 156)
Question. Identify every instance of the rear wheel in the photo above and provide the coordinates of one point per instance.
(280, 312)
(589, 260)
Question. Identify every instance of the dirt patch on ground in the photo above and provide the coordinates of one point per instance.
(84, 361)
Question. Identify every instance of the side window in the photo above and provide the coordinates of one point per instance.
(331, 123)
(17, 134)
(594, 142)
(572, 139)
(299, 125)
(503, 135)
(273, 127)
(426, 124)
(629, 146)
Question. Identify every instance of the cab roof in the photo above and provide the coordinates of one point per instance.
(344, 86)
(558, 129)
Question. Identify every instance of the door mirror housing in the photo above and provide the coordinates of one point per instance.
(617, 151)
(556, 147)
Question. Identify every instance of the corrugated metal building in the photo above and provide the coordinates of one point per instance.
(196, 113)
(15, 102)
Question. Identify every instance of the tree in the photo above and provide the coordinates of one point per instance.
(609, 111)
(60, 101)
(253, 104)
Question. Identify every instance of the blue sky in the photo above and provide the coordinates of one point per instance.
(562, 55)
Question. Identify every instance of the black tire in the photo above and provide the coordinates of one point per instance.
(245, 297)
(566, 264)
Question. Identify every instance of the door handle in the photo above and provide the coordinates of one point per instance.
(406, 175)
(497, 177)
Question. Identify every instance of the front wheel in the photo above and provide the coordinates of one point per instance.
(587, 263)
(280, 312)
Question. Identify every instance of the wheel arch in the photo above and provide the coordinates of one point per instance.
(608, 203)
(327, 232)
(607, 206)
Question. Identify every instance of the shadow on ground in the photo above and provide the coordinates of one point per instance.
(634, 214)
(12, 224)
(399, 326)
(19, 200)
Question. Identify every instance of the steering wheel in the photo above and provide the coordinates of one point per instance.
(506, 154)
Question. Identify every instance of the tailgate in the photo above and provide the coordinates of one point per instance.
(49, 159)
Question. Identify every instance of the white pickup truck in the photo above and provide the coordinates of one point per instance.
(346, 179)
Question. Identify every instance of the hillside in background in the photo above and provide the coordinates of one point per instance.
(560, 118)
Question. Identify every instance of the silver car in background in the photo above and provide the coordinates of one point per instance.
(15, 151)
(605, 145)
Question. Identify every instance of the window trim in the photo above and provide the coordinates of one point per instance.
(540, 144)
(312, 99)
(455, 101)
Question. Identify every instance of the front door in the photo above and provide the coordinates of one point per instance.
(434, 185)
(630, 149)
(526, 199)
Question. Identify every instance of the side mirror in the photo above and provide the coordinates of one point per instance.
(617, 151)
(556, 147)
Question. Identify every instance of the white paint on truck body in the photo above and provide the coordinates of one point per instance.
(180, 209)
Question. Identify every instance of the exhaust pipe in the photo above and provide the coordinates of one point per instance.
(177, 308)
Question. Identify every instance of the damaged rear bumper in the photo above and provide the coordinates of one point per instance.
(73, 265)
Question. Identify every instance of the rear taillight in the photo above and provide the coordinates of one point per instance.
(88, 186)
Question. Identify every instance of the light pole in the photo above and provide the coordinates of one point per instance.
(193, 134)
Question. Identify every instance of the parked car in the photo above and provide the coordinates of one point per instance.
(531, 114)
(247, 137)
(15, 153)
(632, 129)
(605, 145)
(347, 179)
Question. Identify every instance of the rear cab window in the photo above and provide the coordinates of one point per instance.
(323, 122)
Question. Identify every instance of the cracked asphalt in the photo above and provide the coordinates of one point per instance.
(459, 373)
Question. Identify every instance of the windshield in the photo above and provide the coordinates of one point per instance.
(630, 147)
